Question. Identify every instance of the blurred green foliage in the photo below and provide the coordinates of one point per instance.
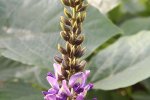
(118, 46)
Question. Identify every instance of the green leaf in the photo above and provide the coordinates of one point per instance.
(135, 25)
(105, 95)
(141, 96)
(104, 5)
(19, 91)
(32, 50)
(33, 17)
(10, 68)
(124, 63)
(133, 6)
(146, 83)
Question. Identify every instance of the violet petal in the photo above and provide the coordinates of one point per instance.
(80, 97)
(64, 89)
(53, 82)
(57, 70)
(50, 97)
(77, 78)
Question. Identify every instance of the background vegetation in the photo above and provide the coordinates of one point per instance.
(117, 41)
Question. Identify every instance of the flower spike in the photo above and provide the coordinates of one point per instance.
(69, 79)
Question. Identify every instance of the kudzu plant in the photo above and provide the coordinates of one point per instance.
(69, 81)
(116, 57)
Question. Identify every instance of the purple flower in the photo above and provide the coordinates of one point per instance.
(62, 90)
(57, 70)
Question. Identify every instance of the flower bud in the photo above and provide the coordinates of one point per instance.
(65, 2)
(64, 72)
(83, 63)
(58, 59)
(78, 31)
(83, 15)
(65, 21)
(64, 27)
(79, 40)
(64, 35)
(68, 46)
(77, 2)
(72, 3)
(72, 39)
(83, 8)
(79, 52)
(64, 64)
(62, 50)
(67, 13)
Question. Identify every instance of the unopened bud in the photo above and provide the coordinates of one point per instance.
(79, 53)
(64, 27)
(83, 8)
(75, 27)
(68, 47)
(67, 13)
(64, 35)
(62, 50)
(65, 21)
(64, 64)
(65, 2)
(78, 31)
(64, 72)
(83, 15)
(83, 63)
(58, 59)
(72, 3)
(79, 40)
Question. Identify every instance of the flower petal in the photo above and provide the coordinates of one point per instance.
(80, 97)
(52, 81)
(77, 78)
(86, 88)
(64, 89)
(50, 97)
(45, 93)
(77, 88)
(87, 73)
(57, 70)
(53, 91)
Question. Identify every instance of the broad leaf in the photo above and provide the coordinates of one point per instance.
(105, 95)
(141, 96)
(122, 64)
(9, 69)
(104, 5)
(19, 91)
(35, 49)
(135, 25)
(133, 6)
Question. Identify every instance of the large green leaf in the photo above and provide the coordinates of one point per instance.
(9, 68)
(33, 17)
(133, 6)
(19, 91)
(122, 64)
(135, 25)
(146, 83)
(105, 95)
(104, 5)
(141, 96)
